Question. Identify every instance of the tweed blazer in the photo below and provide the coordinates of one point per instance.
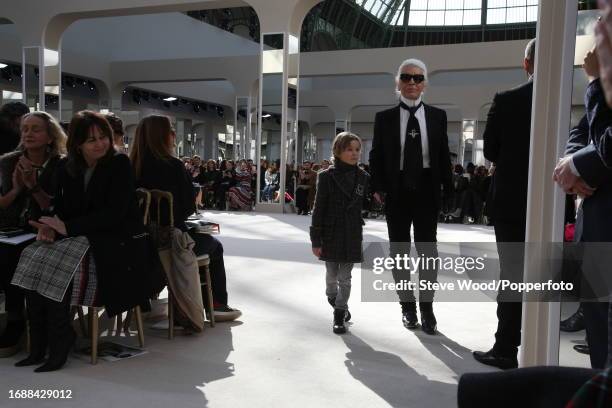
(336, 218)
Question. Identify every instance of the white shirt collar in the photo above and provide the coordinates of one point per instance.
(410, 102)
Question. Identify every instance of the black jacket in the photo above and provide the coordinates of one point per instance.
(386, 150)
(590, 146)
(336, 217)
(25, 207)
(507, 137)
(170, 175)
(107, 214)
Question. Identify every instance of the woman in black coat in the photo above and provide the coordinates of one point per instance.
(156, 168)
(95, 199)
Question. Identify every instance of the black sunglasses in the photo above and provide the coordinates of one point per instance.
(418, 78)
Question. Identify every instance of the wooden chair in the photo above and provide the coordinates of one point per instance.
(144, 201)
(162, 202)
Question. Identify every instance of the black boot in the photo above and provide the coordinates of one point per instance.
(332, 302)
(573, 323)
(428, 319)
(409, 315)
(60, 332)
(38, 331)
(339, 327)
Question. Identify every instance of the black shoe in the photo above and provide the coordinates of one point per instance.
(9, 341)
(58, 354)
(428, 322)
(582, 349)
(573, 323)
(332, 302)
(339, 327)
(410, 319)
(494, 359)
(32, 359)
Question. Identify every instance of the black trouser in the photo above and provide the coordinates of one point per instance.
(523, 387)
(301, 199)
(9, 258)
(596, 324)
(417, 208)
(209, 245)
(511, 259)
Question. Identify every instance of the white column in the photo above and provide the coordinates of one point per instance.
(556, 36)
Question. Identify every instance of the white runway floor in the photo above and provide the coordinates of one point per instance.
(282, 352)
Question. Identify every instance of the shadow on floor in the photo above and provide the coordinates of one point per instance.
(179, 368)
(392, 379)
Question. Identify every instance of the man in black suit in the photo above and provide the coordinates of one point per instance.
(506, 143)
(586, 170)
(409, 161)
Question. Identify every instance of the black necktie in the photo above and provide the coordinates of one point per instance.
(413, 151)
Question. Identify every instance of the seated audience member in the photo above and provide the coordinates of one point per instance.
(306, 180)
(99, 253)
(240, 195)
(208, 180)
(27, 181)
(272, 182)
(10, 119)
(155, 166)
(117, 125)
(226, 181)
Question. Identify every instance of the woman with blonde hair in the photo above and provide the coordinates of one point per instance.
(27, 183)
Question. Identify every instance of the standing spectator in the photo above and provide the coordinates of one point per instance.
(506, 143)
(306, 181)
(587, 171)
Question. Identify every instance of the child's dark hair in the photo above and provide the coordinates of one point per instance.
(342, 141)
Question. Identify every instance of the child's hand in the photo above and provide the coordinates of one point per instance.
(317, 252)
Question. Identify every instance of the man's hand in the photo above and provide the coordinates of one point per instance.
(568, 181)
(582, 189)
(317, 252)
(591, 65)
(45, 233)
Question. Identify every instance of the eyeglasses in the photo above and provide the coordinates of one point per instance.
(418, 78)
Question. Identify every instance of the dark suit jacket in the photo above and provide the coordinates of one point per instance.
(386, 150)
(507, 137)
(108, 215)
(592, 155)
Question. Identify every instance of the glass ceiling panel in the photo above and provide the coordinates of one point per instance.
(450, 12)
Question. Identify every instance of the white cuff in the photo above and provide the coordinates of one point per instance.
(573, 167)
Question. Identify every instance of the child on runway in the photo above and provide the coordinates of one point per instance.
(336, 230)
